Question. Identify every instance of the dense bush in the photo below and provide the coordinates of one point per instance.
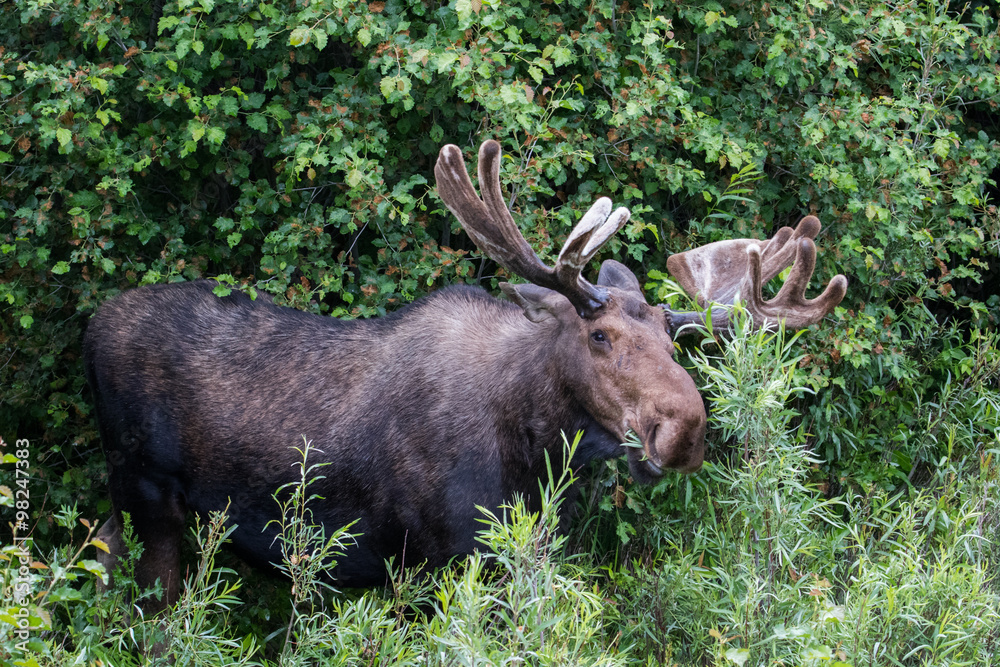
(288, 148)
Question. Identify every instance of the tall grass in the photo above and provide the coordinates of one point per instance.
(520, 601)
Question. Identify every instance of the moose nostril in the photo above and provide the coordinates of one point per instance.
(652, 454)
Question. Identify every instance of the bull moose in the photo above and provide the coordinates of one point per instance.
(448, 404)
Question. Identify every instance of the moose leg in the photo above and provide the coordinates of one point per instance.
(160, 559)
(111, 534)
(143, 455)
(156, 513)
(159, 525)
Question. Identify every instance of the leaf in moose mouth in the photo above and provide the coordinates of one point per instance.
(631, 440)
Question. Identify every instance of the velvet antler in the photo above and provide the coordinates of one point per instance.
(491, 227)
(722, 272)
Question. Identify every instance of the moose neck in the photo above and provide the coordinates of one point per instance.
(496, 358)
(534, 360)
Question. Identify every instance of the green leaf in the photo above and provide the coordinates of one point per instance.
(166, 23)
(27, 321)
(321, 39)
(257, 121)
(197, 129)
(64, 136)
(388, 85)
(245, 31)
(299, 36)
(444, 61)
(65, 594)
(738, 655)
(562, 56)
(625, 531)
(60, 268)
(94, 568)
(216, 135)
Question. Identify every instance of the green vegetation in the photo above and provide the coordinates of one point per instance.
(850, 510)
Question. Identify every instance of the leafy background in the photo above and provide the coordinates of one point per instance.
(288, 148)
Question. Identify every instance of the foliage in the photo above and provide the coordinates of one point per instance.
(749, 562)
(58, 590)
(529, 606)
(286, 149)
(315, 633)
(752, 563)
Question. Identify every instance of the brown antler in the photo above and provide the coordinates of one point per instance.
(722, 272)
(491, 227)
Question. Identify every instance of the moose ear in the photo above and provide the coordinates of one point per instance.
(538, 303)
(616, 274)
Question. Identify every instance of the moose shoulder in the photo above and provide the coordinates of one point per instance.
(448, 404)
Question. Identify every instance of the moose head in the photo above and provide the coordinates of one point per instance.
(614, 347)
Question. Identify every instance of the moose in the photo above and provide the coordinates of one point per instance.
(450, 403)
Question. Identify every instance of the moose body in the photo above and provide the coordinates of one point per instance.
(450, 404)
(443, 406)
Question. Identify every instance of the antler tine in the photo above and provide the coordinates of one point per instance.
(721, 272)
(493, 229)
(790, 303)
(594, 229)
(498, 239)
(779, 253)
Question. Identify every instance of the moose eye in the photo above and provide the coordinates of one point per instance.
(598, 337)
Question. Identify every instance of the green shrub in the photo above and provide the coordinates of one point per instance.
(755, 565)
(522, 602)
